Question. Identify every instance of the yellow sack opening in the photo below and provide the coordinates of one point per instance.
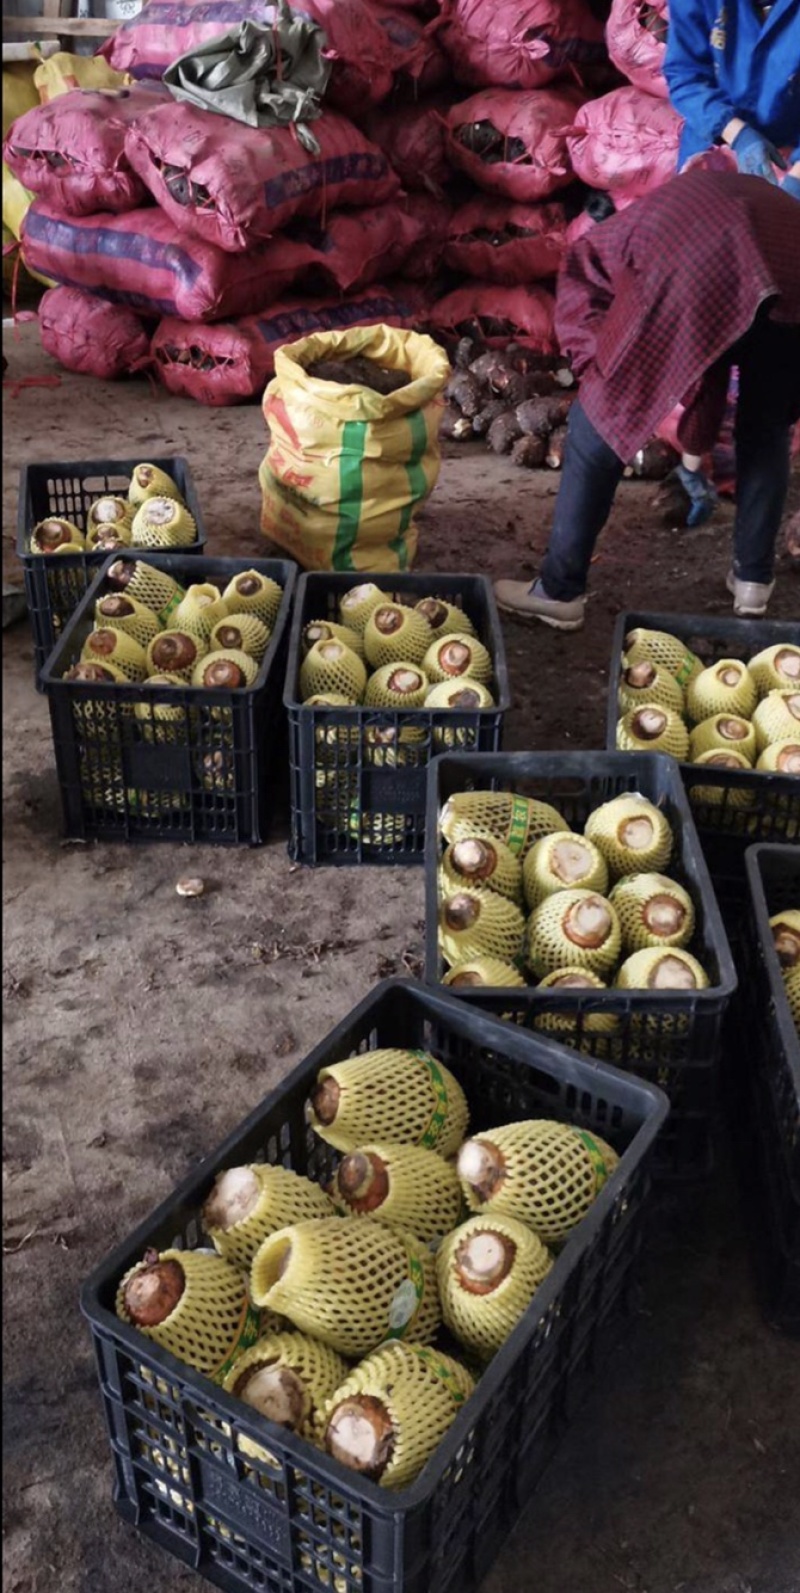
(346, 467)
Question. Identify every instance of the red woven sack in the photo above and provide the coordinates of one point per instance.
(139, 259)
(520, 44)
(91, 336)
(626, 142)
(433, 216)
(501, 315)
(364, 59)
(235, 185)
(511, 244)
(417, 60)
(636, 35)
(414, 140)
(232, 362)
(354, 248)
(71, 151)
(514, 144)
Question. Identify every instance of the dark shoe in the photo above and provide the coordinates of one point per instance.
(530, 602)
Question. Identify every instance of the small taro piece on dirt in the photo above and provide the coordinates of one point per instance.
(454, 425)
(503, 433)
(529, 452)
(533, 417)
(555, 448)
(489, 413)
(465, 390)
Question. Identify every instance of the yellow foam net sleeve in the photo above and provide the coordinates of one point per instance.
(162, 523)
(710, 694)
(632, 834)
(213, 1320)
(382, 690)
(565, 1022)
(777, 717)
(423, 1194)
(478, 665)
(631, 897)
(155, 654)
(497, 929)
(330, 666)
(422, 1391)
(126, 654)
(553, 1173)
(347, 1281)
(316, 1366)
(482, 1322)
(409, 641)
(286, 1197)
(775, 667)
(252, 635)
(516, 820)
(664, 649)
(264, 601)
(673, 738)
(490, 865)
(155, 589)
(200, 608)
(540, 869)
(356, 605)
(405, 1097)
(142, 624)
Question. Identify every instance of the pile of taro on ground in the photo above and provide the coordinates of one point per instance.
(462, 145)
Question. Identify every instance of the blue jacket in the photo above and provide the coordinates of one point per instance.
(722, 61)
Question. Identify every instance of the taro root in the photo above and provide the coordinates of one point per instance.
(555, 448)
(359, 371)
(455, 426)
(494, 368)
(464, 389)
(529, 452)
(490, 412)
(503, 432)
(558, 409)
(363, 1181)
(94, 672)
(653, 462)
(533, 417)
(360, 1435)
(465, 352)
(483, 1260)
(540, 384)
(153, 1290)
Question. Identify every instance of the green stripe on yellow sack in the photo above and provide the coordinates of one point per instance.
(346, 467)
(351, 491)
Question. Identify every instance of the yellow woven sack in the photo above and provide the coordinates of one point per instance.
(346, 467)
(61, 73)
(19, 96)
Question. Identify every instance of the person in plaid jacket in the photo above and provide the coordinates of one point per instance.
(653, 308)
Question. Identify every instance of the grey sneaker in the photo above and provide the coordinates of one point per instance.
(750, 598)
(526, 602)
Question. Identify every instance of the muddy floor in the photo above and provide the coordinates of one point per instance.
(141, 1027)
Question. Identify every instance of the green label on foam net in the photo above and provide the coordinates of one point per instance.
(444, 1373)
(601, 1172)
(684, 673)
(248, 1331)
(165, 613)
(436, 1126)
(407, 1299)
(518, 827)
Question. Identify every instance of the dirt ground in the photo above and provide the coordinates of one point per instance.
(141, 1027)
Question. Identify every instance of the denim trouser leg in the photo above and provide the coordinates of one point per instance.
(768, 357)
(589, 479)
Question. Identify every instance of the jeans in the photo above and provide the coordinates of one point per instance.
(768, 357)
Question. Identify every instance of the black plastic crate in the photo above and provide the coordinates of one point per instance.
(301, 1521)
(682, 1048)
(773, 1044)
(213, 773)
(773, 1244)
(358, 789)
(56, 582)
(726, 827)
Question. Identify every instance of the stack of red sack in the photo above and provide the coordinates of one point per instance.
(444, 191)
